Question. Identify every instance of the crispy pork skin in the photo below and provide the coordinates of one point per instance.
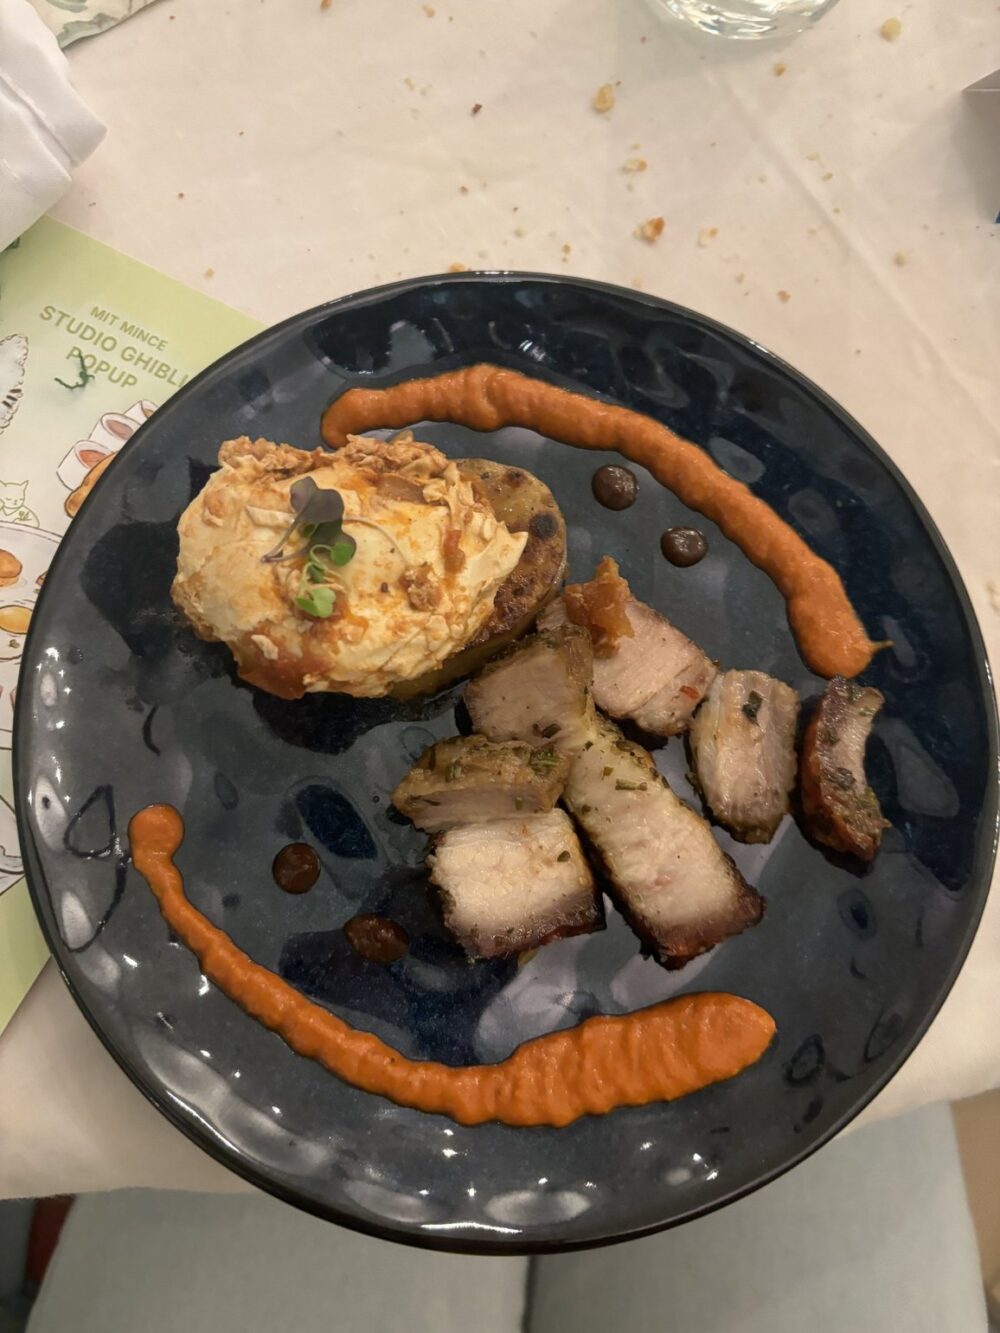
(670, 879)
(838, 806)
(743, 747)
(470, 780)
(514, 884)
(657, 677)
(537, 692)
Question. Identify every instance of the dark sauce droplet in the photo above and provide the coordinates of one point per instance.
(614, 487)
(377, 938)
(296, 868)
(683, 546)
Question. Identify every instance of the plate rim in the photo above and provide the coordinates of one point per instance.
(984, 849)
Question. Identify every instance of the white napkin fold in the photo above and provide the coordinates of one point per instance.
(45, 128)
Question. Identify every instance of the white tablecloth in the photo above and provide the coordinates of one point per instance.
(318, 151)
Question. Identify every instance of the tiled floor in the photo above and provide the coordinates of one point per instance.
(977, 1124)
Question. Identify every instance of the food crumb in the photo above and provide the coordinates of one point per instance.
(180, 194)
(463, 189)
(784, 296)
(891, 29)
(780, 69)
(899, 258)
(325, 4)
(476, 108)
(651, 230)
(210, 273)
(812, 157)
(567, 248)
(604, 98)
(740, 277)
(836, 208)
(637, 284)
(635, 164)
(707, 234)
(828, 176)
(519, 231)
(429, 10)
(410, 84)
(458, 268)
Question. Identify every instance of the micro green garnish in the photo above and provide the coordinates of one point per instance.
(319, 517)
(317, 601)
(85, 375)
(314, 508)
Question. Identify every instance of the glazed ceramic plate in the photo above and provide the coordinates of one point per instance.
(120, 705)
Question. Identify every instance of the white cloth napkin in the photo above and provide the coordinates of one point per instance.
(45, 128)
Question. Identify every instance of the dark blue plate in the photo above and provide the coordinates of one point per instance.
(120, 705)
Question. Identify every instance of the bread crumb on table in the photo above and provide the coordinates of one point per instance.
(429, 10)
(707, 234)
(210, 273)
(891, 29)
(780, 69)
(784, 296)
(651, 230)
(476, 108)
(458, 268)
(899, 258)
(740, 277)
(325, 4)
(812, 157)
(635, 164)
(604, 98)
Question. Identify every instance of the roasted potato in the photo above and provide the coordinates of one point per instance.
(525, 504)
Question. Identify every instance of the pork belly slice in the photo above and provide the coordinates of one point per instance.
(838, 806)
(470, 780)
(657, 678)
(537, 692)
(514, 884)
(743, 746)
(670, 879)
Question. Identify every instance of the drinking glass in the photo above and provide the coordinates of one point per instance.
(746, 19)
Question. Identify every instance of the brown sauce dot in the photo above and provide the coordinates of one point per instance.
(683, 546)
(296, 868)
(614, 487)
(377, 938)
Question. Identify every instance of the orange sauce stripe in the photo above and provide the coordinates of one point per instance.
(655, 1054)
(831, 637)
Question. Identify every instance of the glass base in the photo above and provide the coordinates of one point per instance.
(746, 20)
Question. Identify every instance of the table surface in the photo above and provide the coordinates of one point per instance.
(832, 197)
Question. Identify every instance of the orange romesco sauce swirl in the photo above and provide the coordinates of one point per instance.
(831, 638)
(656, 1054)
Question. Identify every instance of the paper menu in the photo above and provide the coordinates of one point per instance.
(91, 342)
